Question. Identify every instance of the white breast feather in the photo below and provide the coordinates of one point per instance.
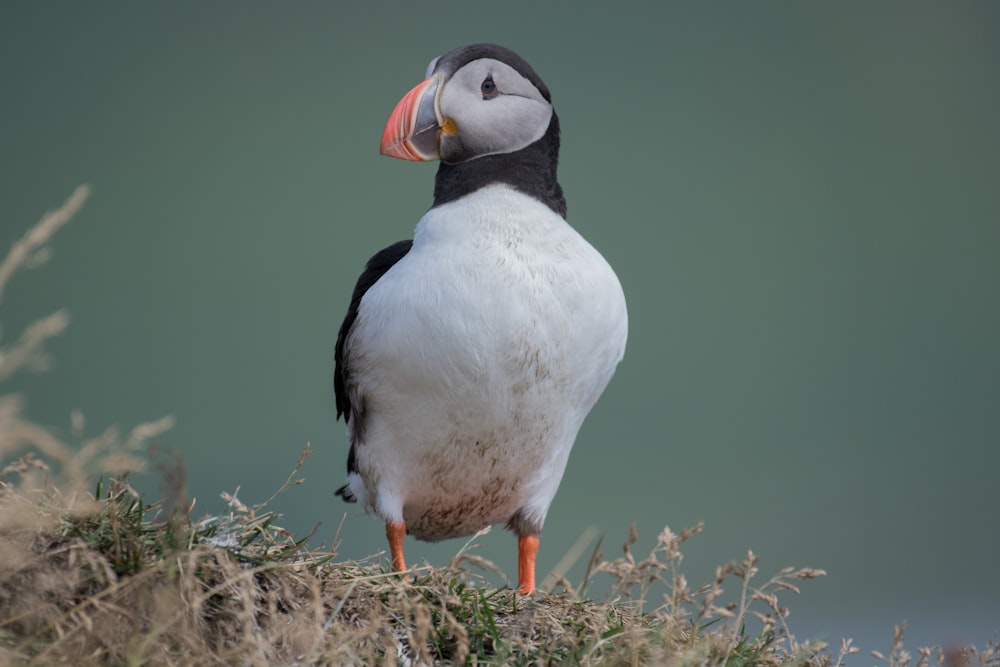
(477, 357)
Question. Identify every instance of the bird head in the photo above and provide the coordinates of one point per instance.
(477, 100)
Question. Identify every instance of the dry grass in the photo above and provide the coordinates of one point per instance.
(120, 582)
(96, 576)
(124, 583)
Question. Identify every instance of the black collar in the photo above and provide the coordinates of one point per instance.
(531, 170)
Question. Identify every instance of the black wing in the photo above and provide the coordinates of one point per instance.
(374, 269)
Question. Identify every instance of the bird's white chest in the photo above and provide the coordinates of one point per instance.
(479, 354)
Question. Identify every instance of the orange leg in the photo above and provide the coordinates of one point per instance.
(527, 549)
(396, 532)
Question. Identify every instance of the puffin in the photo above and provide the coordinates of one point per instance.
(471, 354)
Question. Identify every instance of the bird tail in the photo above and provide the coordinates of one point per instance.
(345, 493)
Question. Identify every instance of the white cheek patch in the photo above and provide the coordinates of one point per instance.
(503, 125)
(515, 118)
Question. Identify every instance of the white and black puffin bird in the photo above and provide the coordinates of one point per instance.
(470, 356)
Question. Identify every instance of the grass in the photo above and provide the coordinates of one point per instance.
(92, 574)
(114, 580)
(111, 580)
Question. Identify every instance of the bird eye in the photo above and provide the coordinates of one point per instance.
(488, 88)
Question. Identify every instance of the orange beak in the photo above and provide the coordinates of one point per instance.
(413, 131)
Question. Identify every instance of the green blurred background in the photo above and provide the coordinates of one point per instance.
(802, 201)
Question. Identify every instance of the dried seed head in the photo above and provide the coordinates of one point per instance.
(807, 573)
